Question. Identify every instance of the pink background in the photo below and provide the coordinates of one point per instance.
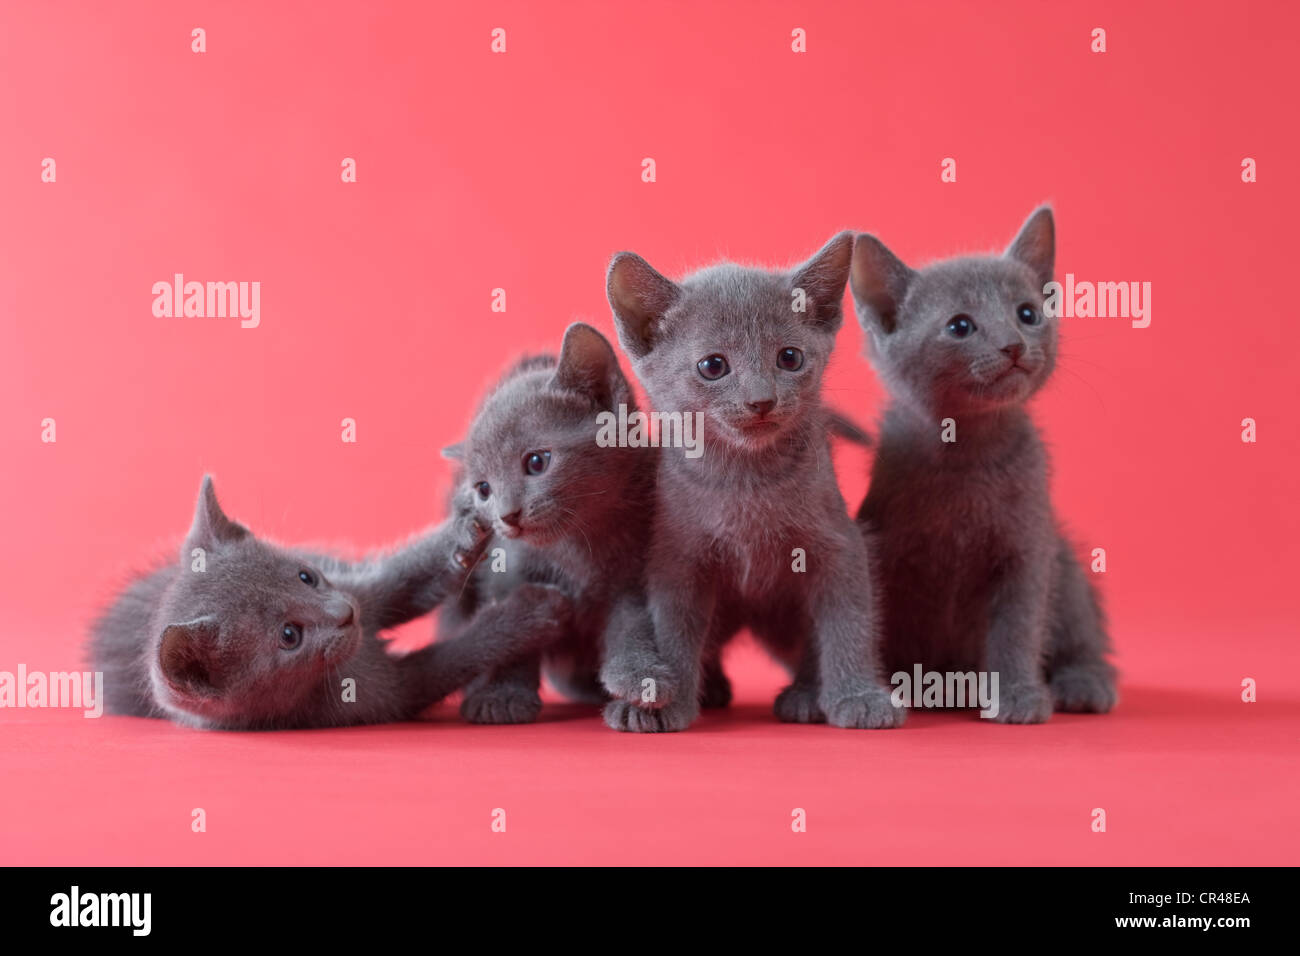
(522, 171)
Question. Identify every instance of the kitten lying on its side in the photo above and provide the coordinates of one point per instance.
(248, 635)
(754, 533)
(566, 512)
(975, 572)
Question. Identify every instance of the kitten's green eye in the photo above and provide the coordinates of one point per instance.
(960, 326)
(483, 489)
(1028, 314)
(290, 636)
(713, 367)
(307, 578)
(536, 462)
(790, 359)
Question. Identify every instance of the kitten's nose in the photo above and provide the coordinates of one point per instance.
(1014, 350)
(512, 519)
(762, 406)
(342, 611)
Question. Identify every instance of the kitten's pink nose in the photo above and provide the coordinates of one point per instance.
(1014, 350)
(512, 519)
(762, 406)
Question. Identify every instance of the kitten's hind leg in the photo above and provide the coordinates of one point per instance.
(798, 703)
(506, 696)
(715, 688)
(575, 677)
(1080, 677)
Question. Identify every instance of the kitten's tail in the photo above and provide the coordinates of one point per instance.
(840, 426)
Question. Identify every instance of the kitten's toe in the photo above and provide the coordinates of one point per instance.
(501, 705)
(1084, 690)
(1024, 704)
(797, 704)
(868, 710)
(626, 716)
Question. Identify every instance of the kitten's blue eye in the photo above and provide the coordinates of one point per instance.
(535, 462)
(790, 359)
(307, 578)
(1028, 314)
(713, 367)
(483, 489)
(290, 636)
(960, 326)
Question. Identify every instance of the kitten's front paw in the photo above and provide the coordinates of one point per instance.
(639, 679)
(471, 535)
(504, 704)
(1083, 690)
(1024, 704)
(797, 704)
(871, 709)
(626, 716)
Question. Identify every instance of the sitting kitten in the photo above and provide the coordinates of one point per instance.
(975, 572)
(566, 512)
(754, 532)
(248, 635)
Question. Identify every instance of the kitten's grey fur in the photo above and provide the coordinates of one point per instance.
(975, 571)
(204, 647)
(580, 525)
(727, 523)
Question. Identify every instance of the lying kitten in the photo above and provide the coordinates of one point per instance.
(975, 572)
(754, 533)
(248, 635)
(566, 512)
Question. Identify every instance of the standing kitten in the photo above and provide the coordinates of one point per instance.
(242, 634)
(754, 533)
(976, 573)
(566, 511)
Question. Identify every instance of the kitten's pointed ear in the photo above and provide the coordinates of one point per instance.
(639, 297)
(189, 657)
(588, 365)
(879, 280)
(211, 527)
(822, 280)
(454, 452)
(1035, 244)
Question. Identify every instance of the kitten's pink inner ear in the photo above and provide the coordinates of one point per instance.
(639, 296)
(587, 363)
(186, 655)
(879, 281)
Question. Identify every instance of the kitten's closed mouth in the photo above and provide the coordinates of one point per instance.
(1014, 367)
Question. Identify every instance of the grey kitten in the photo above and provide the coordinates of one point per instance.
(731, 526)
(975, 570)
(566, 512)
(248, 635)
